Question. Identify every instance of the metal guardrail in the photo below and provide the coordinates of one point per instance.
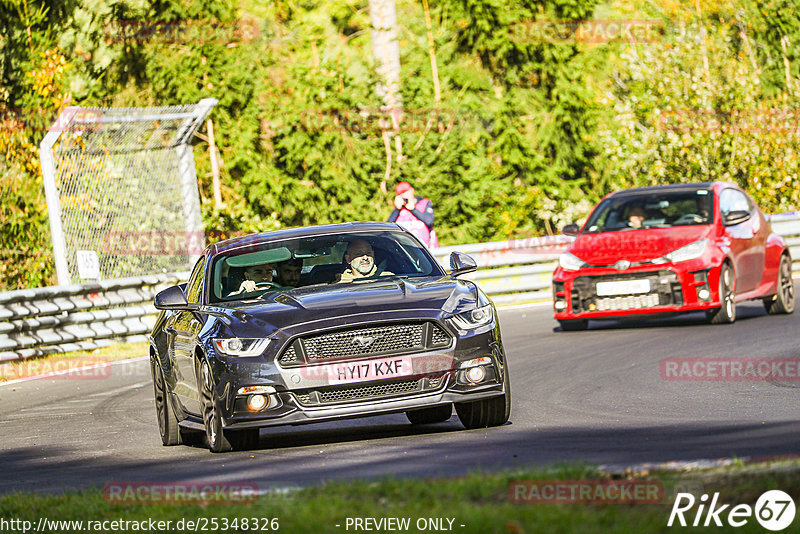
(35, 322)
(520, 270)
(512, 271)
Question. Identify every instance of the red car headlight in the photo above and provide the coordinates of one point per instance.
(570, 262)
(688, 252)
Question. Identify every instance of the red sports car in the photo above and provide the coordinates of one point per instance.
(672, 249)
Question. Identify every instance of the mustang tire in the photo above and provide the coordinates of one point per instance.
(436, 414)
(486, 412)
(783, 300)
(167, 422)
(220, 440)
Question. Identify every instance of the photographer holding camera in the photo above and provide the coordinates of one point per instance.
(414, 214)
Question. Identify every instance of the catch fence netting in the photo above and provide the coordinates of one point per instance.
(122, 191)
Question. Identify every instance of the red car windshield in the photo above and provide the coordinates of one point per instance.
(652, 210)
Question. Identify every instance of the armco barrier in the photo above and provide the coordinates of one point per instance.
(40, 321)
(520, 270)
(512, 271)
(34, 322)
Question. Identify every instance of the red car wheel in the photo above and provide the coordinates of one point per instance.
(783, 300)
(726, 313)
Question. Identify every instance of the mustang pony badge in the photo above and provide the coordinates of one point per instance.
(365, 342)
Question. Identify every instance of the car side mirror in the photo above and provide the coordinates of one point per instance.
(172, 298)
(735, 217)
(571, 229)
(461, 263)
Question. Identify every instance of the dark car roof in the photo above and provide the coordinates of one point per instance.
(663, 188)
(303, 231)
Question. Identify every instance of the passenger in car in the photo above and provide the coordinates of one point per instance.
(289, 272)
(636, 217)
(361, 260)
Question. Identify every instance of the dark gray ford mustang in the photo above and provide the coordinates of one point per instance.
(394, 333)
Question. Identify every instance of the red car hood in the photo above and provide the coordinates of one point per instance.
(635, 245)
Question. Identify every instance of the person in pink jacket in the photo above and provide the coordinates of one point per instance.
(414, 214)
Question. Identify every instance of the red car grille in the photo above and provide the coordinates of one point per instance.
(629, 302)
(665, 290)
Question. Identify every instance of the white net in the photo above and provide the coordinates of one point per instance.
(122, 191)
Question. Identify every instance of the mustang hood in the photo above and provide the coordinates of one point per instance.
(635, 245)
(278, 310)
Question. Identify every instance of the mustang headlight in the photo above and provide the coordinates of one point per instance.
(688, 252)
(236, 346)
(570, 262)
(474, 318)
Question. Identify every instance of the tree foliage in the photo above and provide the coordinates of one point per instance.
(526, 135)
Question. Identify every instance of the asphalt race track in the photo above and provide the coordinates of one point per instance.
(596, 396)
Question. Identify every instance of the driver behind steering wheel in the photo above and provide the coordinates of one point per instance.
(253, 276)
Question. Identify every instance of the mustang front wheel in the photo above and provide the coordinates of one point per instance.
(487, 412)
(220, 440)
(167, 422)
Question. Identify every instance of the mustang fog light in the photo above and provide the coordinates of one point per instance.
(703, 294)
(258, 402)
(561, 305)
(476, 374)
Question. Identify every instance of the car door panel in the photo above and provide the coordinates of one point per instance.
(741, 236)
(185, 336)
(183, 332)
(758, 247)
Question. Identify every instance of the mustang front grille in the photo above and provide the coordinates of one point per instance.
(289, 356)
(383, 339)
(374, 340)
(357, 392)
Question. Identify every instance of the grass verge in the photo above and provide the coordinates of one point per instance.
(478, 502)
(65, 361)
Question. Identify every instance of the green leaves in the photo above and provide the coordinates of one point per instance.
(528, 134)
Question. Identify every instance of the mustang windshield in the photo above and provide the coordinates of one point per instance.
(653, 210)
(255, 270)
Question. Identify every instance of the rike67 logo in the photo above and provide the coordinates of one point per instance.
(774, 510)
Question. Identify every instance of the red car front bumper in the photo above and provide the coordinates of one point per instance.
(673, 288)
